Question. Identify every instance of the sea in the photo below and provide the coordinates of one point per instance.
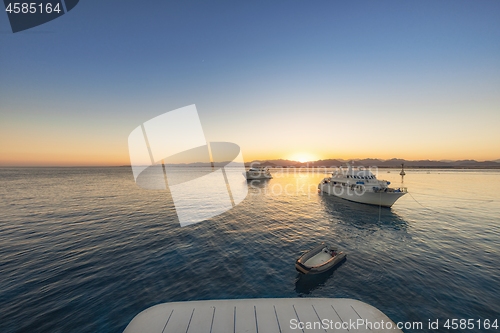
(86, 249)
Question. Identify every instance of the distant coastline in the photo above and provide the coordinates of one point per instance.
(329, 163)
(383, 164)
(391, 163)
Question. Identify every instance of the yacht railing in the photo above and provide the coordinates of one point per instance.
(389, 189)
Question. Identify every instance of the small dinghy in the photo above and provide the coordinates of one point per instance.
(319, 260)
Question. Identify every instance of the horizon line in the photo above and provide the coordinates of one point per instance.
(253, 161)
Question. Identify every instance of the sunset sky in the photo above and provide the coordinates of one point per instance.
(295, 80)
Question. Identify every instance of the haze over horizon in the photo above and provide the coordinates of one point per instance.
(287, 80)
(343, 160)
(374, 158)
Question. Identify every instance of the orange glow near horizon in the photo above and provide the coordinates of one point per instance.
(48, 149)
(62, 159)
(86, 157)
(302, 157)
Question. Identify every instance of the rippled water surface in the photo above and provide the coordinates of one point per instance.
(85, 249)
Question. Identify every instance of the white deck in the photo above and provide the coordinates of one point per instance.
(273, 315)
(318, 259)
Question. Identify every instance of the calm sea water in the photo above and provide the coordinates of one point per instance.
(85, 249)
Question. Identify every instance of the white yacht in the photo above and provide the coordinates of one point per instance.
(258, 173)
(360, 185)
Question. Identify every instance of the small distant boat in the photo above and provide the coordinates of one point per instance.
(319, 260)
(258, 173)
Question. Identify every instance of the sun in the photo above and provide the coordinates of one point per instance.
(303, 157)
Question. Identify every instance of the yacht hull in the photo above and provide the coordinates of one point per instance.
(384, 199)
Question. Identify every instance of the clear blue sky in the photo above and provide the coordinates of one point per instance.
(284, 79)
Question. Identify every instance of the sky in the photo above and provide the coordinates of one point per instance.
(301, 80)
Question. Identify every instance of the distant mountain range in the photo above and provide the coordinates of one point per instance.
(392, 163)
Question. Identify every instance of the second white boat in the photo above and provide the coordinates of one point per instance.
(256, 173)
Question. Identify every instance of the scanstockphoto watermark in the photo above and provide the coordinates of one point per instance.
(297, 186)
(310, 169)
(159, 149)
(382, 325)
(351, 325)
(25, 15)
